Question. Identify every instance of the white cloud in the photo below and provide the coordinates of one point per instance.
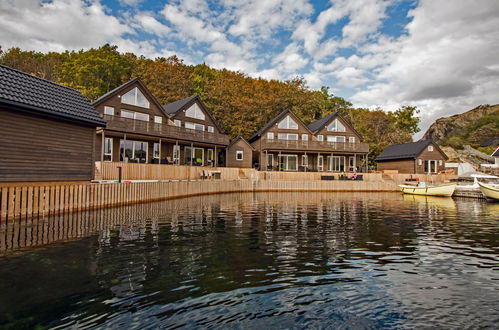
(447, 63)
(150, 24)
(58, 25)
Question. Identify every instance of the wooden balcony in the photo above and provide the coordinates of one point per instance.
(314, 146)
(166, 131)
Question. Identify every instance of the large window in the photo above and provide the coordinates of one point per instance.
(156, 151)
(209, 157)
(288, 123)
(336, 163)
(108, 149)
(270, 162)
(430, 166)
(287, 136)
(176, 154)
(195, 112)
(194, 156)
(336, 126)
(288, 162)
(332, 138)
(134, 115)
(135, 97)
(195, 126)
(133, 151)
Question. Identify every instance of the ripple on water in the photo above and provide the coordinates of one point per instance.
(262, 260)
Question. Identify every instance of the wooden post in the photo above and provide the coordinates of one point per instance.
(124, 147)
(215, 156)
(159, 162)
(102, 147)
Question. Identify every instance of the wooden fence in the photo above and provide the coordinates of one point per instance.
(109, 171)
(33, 201)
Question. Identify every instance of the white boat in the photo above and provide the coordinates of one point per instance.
(489, 191)
(422, 189)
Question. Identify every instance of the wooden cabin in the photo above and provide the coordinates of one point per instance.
(141, 130)
(326, 145)
(47, 130)
(240, 153)
(420, 157)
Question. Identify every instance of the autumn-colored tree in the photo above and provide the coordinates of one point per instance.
(95, 72)
(241, 104)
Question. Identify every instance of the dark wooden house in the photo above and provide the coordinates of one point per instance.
(141, 130)
(420, 157)
(240, 153)
(47, 130)
(326, 145)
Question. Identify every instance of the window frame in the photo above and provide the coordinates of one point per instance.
(239, 153)
(177, 123)
(154, 151)
(334, 126)
(270, 135)
(136, 92)
(108, 110)
(158, 120)
(198, 112)
(287, 123)
(110, 153)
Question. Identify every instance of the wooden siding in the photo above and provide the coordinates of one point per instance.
(412, 165)
(247, 161)
(402, 166)
(40, 149)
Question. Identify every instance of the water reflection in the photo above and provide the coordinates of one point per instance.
(257, 260)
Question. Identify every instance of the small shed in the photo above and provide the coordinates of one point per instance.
(47, 130)
(419, 157)
(240, 153)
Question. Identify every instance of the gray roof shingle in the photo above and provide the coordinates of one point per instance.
(316, 125)
(38, 95)
(174, 107)
(403, 151)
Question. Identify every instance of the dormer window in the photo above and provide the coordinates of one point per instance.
(135, 97)
(336, 126)
(288, 123)
(195, 112)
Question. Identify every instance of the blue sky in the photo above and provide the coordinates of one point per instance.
(439, 57)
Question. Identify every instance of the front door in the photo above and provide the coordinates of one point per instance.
(336, 163)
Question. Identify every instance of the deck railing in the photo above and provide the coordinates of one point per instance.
(317, 146)
(164, 130)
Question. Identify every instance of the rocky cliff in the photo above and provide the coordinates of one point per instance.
(472, 127)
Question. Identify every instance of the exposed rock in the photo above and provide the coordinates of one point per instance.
(465, 128)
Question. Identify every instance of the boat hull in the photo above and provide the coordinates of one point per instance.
(442, 190)
(489, 191)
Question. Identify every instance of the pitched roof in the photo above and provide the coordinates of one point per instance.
(126, 85)
(237, 138)
(405, 150)
(496, 153)
(38, 95)
(272, 122)
(318, 124)
(174, 107)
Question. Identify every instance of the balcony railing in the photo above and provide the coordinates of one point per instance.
(317, 146)
(128, 125)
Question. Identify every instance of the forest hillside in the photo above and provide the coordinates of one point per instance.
(240, 103)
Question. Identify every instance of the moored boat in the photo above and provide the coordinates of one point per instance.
(439, 190)
(489, 191)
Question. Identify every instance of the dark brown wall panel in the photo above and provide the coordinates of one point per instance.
(38, 149)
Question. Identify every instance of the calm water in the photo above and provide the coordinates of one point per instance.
(257, 261)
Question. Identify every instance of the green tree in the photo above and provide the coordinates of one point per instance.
(406, 119)
(94, 72)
